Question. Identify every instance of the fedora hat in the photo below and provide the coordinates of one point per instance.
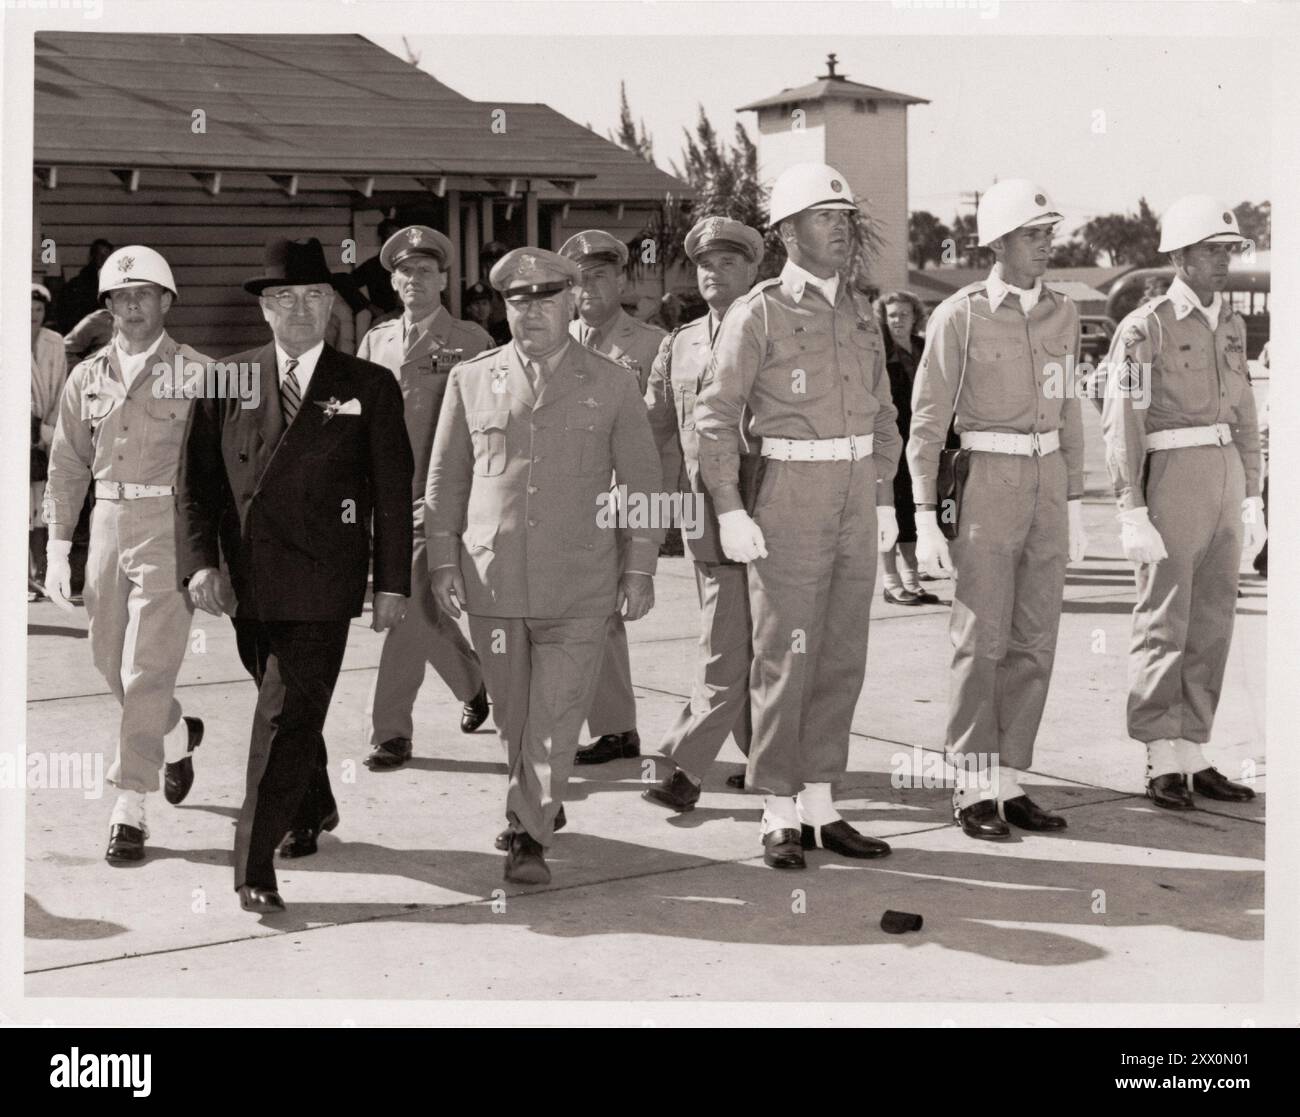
(294, 263)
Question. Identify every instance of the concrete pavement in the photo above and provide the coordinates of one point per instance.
(406, 900)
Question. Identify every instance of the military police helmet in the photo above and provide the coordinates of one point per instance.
(808, 186)
(134, 266)
(1195, 218)
(1011, 204)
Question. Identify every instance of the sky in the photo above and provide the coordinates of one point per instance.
(1097, 120)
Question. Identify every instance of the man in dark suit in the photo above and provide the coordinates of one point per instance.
(285, 492)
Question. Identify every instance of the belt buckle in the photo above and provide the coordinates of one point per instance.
(116, 491)
(1035, 444)
(1218, 434)
(853, 449)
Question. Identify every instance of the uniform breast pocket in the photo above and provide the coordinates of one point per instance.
(487, 430)
(796, 367)
(1187, 383)
(997, 386)
(586, 441)
(167, 420)
(1236, 381)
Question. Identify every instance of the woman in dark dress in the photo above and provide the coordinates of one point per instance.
(902, 317)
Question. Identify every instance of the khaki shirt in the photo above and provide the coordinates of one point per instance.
(805, 369)
(632, 343)
(1191, 375)
(1019, 379)
(106, 433)
(518, 480)
(422, 373)
(670, 397)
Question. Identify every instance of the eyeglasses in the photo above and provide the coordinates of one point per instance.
(287, 300)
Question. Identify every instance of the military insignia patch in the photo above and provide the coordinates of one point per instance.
(125, 264)
(414, 236)
(1040, 199)
(836, 185)
(1132, 336)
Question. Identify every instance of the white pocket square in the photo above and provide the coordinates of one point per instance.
(333, 407)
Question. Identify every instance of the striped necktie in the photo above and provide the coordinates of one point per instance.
(290, 393)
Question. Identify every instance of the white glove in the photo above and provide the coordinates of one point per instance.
(1078, 544)
(931, 547)
(741, 538)
(58, 573)
(1252, 519)
(1139, 538)
(886, 527)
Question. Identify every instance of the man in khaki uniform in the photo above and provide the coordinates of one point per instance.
(420, 347)
(520, 535)
(803, 353)
(996, 368)
(603, 325)
(1182, 446)
(726, 254)
(121, 425)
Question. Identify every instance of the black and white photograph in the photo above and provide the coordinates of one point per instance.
(652, 515)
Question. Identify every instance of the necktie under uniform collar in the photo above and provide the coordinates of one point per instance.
(1184, 302)
(998, 289)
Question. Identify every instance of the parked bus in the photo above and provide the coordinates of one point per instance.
(1247, 292)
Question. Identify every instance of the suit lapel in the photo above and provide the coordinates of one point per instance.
(326, 382)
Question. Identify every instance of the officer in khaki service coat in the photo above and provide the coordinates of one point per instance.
(520, 536)
(803, 353)
(420, 348)
(1182, 447)
(997, 368)
(603, 325)
(726, 254)
(121, 427)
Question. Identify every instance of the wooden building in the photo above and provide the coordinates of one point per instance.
(207, 146)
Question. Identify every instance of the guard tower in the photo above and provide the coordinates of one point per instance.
(858, 129)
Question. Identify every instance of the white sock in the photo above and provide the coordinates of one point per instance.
(780, 813)
(1161, 758)
(176, 743)
(128, 810)
(1007, 782)
(1189, 756)
(973, 779)
(816, 809)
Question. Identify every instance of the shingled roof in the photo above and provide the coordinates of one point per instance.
(303, 104)
(832, 86)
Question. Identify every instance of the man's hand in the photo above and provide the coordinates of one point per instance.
(210, 591)
(58, 573)
(741, 538)
(1078, 538)
(448, 589)
(886, 527)
(636, 596)
(932, 553)
(1254, 534)
(388, 612)
(1139, 538)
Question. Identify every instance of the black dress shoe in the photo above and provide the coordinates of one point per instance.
(474, 713)
(263, 900)
(839, 837)
(125, 844)
(389, 754)
(1022, 811)
(783, 849)
(1170, 791)
(903, 597)
(677, 793)
(980, 820)
(737, 781)
(502, 840)
(526, 860)
(612, 746)
(924, 597)
(1213, 784)
(178, 778)
(302, 842)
